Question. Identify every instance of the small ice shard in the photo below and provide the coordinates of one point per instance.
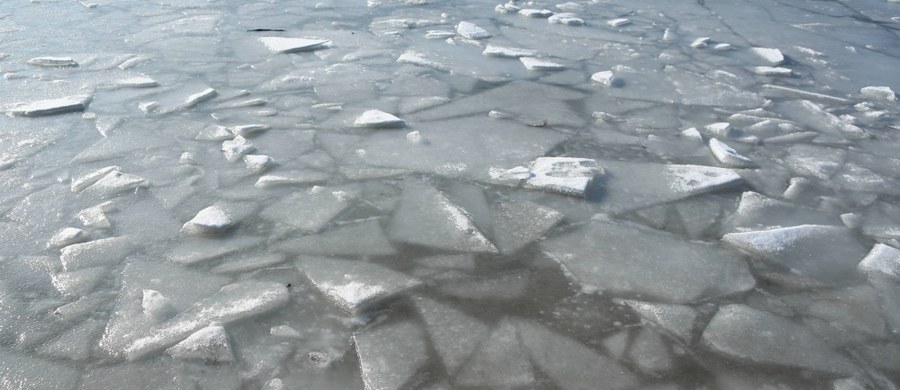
(51, 106)
(378, 119)
(721, 129)
(882, 258)
(535, 13)
(470, 31)
(86, 181)
(67, 236)
(364, 238)
(148, 107)
(53, 62)
(236, 148)
(136, 82)
(668, 35)
(414, 137)
(507, 52)
(415, 58)
(534, 63)
(156, 306)
(678, 320)
(115, 183)
(728, 156)
(565, 175)
(700, 43)
(454, 334)
(209, 344)
(246, 130)
(648, 351)
(95, 217)
(772, 71)
(285, 332)
(878, 93)
(439, 34)
(292, 178)
(79, 282)
(426, 217)
(354, 285)
(744, 333)
(211, 220)
(292, 45)
(566, 18)
(650, 263)
(513, 176)
(517, 224)
(571, 364)
(499, 362)
(257, 162)
(772, 56)
(723, 47)
(275, 384)
(618, 22)
(199, 97)
(604, 78)
(215, 133)
(692, 133)
(309, 211)
(837, 250)
(391, 354)
(102, 252)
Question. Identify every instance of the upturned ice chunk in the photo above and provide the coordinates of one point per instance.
(67, 236)
(618, 22)
(727, 155)
(86, 181)
(103, 252)
(535, 13)
(292, 45)
(604, 78)
(507, 52)
(209, 344)
(354, 285)
(883, 259)
(211, 220)
(770, 56)
(744, 333)
(566, 18)
(156, 306)
(257, 162)
(237, 148)
(115, 183)
(565, 175)
(471, 31)
(378, 119)
(878, 93)
(534, 63)
(51, 106)
(772, 71)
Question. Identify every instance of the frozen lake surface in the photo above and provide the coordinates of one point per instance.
(424, 194)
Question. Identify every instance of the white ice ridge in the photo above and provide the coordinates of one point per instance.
(292, 45)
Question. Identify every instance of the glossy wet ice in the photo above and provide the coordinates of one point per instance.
(424, 194)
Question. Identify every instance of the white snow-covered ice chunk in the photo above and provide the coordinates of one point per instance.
(68, 236)
(102, 252)
(199, 97)
(95, 217)
(878, 93)
(814, 116)
(619, 22)
(535, 13)
(454, 334)
(156, 306)
(50, 106)
(771, 56)
(364, 238)
(23, 372)
(53, 62)
(721, 129)
(723, 47)
(535, 63)
(390, 354)
(215, 133)
(566, 18)
(565, 175)
(604, 78)
(470, 31)
(211, 220)
(79, 282)
(837, 249)
(86, 181)
(236, 148)
(882, 258)
(310, 211)
(426, 217)
(378, 119)
(648, 351)
(627, 259)
(136, 82)
(499, 362)
(115, 183)
(413, 57)
(257, 162)
(517, 224)
(815, 161)
(744, 333)
(292, 45)
(678, 320)
(570, 364)
(292, 178)
(700, 43)
(773, 71)
(232, 303)
(692, 133)
(728, 156)
(507, 52)
(209, 344)
(354, 285)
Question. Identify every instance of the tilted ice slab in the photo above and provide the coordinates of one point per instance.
(812, 115)
(499, 362)
(53, 62)
(364, 238)
(102, 252)
(770, 56)
(744, 333)
(292, 45)
(115, 183)
(827, 253)
(232, 303)
(310, 211)
(390, 354)
(628, 259)
(756, 210)
(630, 186)
(727, 155)
(211, 220)
(454, 334)
(517, 224)
(426, 217)
(815, 161)
(209, 344)
(534, 63)
(50, 106)
(471, 31)
(378, 119)
(354, 285)
(565, 175)
(884, 259)
(677, 320)
(507, 52)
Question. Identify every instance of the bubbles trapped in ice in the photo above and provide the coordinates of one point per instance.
(417, 194)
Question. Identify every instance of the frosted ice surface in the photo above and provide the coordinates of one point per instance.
(471, 31)
(517, 224)
(769, 55)
(744, 333)
(882, 93)
(649, 352)
(620, 258)
(54, 62)
(507, 52)
(390, 354)
(566, 175)
(756, 210)
(211, 220)
(838, 250)
(102, 252)
(499, 362)
(19, 371)
(209, 344)
(454, 334)
(292, 45)
(378, 119)
(68, 236)
(727, 155)
(354, 285)
(678, 320)
(882, 258)
(604, 78)
(50, 106)
(535, 63)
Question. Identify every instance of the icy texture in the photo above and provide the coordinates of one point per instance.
(389, 355)
(291, 45)
(354, 285)
(50, 106)
(454, 334)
